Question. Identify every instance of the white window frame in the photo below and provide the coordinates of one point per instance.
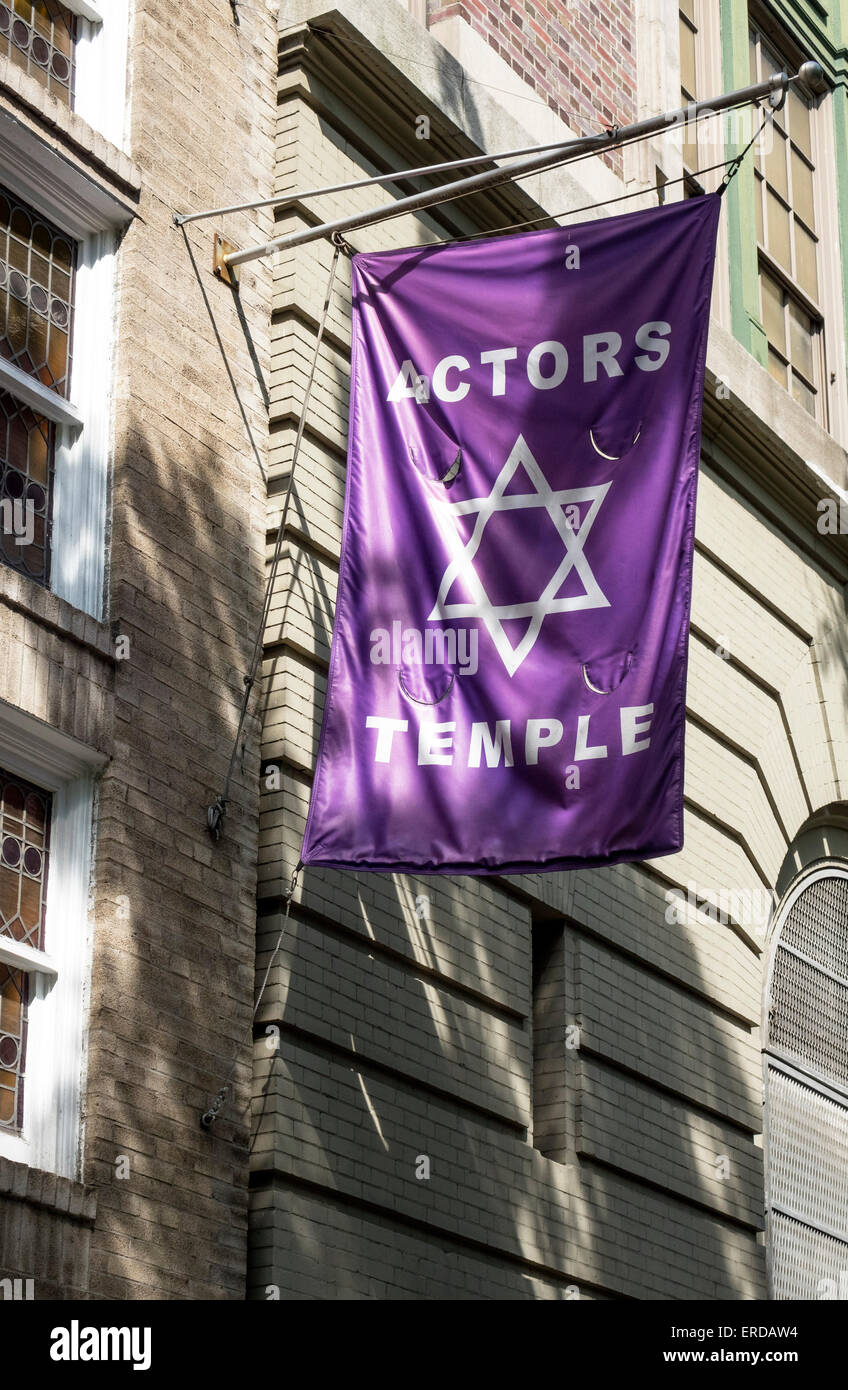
(767, 259)
(712, 136)
(87, 9)
(87, 213)
(812, 1078)
(101, 69)
(830, 273)
(55, 1051)
(832, 412)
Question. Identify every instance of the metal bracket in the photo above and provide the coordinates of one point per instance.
(215, 817)
(222, 248)
(209, 1116)
(344, 246)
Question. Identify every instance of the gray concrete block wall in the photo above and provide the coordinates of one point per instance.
(627, 1124)
(326, 1249)
(344, 990)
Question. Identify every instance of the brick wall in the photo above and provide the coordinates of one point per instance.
(385, 1034)
(174, 916)
(46, 1224)
(631, 1163)
(578, 55)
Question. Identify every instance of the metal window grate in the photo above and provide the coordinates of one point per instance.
(814, 921)
(37, 263)
(807, 1264)
(810, 1016)
(807, 1119)
(808, 1153)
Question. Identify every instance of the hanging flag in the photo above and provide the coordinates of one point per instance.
(508, 671)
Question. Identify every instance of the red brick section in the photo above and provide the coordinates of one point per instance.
(578, 55)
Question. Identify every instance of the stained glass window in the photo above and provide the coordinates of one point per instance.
(26, 476)
(36, 305)
(24, 853)
(38, 36)
(14, 986)
(24, 849)
(36, 293)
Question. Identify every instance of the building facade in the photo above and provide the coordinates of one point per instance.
(616, 1083)
(139, 436)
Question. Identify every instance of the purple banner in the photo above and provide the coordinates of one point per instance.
(508, 672)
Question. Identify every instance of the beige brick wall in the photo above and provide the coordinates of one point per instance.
(55, 662)
(163, 1213)
(400, 1021)
(46, 1224)
(386, 1035)
(170, 1007)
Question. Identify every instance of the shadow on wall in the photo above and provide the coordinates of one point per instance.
(173, 949)
(397, 1028)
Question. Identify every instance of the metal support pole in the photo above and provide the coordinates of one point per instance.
(810, 73)
(181, 219)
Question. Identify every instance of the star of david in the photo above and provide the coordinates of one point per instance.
(461, 567)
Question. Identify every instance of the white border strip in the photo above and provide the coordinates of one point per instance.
(43, 401)
(86, 9)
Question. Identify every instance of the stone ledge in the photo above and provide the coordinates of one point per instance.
(416, 65)
(71, 134)
(22, 595)
(757, 422)
(63, 1196)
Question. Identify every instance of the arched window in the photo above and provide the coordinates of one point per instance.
(806, 1090)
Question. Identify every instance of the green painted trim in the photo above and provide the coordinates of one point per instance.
(739, 199)
(839, 101)
(839, 106)
(825, 36)
(819, 31)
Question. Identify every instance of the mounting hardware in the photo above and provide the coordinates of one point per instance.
(215, 817)
(344, 246)
(812, 76)
(222, 248)
(209, 1116)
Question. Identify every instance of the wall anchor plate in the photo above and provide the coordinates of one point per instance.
(222, 248)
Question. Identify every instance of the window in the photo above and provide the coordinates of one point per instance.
(36, 280)
(58, 252)
(807, 1091)
(689, 88)
(36, 297)
(57, 302)
(24, 851)
(785, 202)
(39, 36)
(46, 808)
(14, 993)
